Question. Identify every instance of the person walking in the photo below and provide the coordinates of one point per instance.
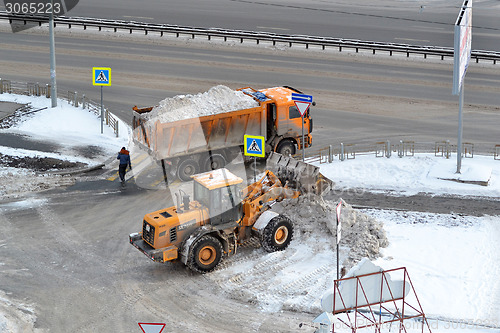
(124, 157)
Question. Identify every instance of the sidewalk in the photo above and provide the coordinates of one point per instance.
(8, 108)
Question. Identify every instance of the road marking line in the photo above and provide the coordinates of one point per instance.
(112, 178)
(140, 158)
(272, 28)
(139, 17)
(413, 40)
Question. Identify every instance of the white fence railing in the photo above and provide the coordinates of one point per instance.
(402, 148)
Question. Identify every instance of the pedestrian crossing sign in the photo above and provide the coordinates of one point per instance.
(101, 76)
(254, 145)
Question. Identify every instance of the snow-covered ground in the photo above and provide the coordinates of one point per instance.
(410, 175)
(70, 129)
(452, 260)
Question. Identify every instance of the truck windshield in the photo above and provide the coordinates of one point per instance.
(201, 194)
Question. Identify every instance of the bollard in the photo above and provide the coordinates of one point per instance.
(47, 94)
(76, 100)
(83, 101)
(388, 151)
(342, 157)
(330, 157)
(1, 86)
(400, 149)
(447, 149)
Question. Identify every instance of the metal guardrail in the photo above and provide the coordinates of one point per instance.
(35, 89)
(241, 35)
(401, 149)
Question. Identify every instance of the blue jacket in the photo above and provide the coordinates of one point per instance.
(124, 157)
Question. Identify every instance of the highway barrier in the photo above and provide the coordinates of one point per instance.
(242, 35)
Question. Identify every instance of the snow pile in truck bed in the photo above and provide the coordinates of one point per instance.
(218, 99)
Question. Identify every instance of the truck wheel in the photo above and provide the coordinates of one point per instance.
(286, 148)
(214, 162)
(205, 255)
(186, 169)
(277, 234)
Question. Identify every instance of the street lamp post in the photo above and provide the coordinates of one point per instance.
(53, 92)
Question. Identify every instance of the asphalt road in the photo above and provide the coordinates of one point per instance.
(67, 253)
(73, 262)
(358, 98)
(410, 22)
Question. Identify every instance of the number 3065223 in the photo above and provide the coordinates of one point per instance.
(32, 8)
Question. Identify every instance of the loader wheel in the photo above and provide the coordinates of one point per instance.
(277, 234)
(186, 169)
(205, 255)
(286, 148)
(214, 162)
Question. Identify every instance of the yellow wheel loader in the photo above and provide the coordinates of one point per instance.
(221, 216)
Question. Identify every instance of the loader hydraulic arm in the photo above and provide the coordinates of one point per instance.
(262, 192)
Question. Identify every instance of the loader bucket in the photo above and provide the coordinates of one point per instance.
(299, 175)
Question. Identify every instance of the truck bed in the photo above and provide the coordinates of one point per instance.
(213, 132)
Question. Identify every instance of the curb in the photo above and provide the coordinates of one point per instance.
(75, 171)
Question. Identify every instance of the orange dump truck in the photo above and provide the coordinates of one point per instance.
(189, 146)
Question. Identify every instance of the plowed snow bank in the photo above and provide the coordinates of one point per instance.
(296, 278)
(362, 234)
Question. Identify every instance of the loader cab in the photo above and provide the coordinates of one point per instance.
(219, 191)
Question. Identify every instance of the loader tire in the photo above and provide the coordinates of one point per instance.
(205, 255)
(286, 148)
(186, 169)
(277, 234)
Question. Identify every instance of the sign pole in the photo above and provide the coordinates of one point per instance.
(255, 146)
(302, 103)
(339, 230)
(102, 113)
(460, 128)
(338, 259)
(461, 57)
(101, 76)
(303, 142)
(53, 83)
(254, 169)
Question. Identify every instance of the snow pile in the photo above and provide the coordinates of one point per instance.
(16, 317)
(295, 279)
(15, 182)
(218, 99)
(363, 234)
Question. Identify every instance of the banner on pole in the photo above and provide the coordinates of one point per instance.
(462, 45)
